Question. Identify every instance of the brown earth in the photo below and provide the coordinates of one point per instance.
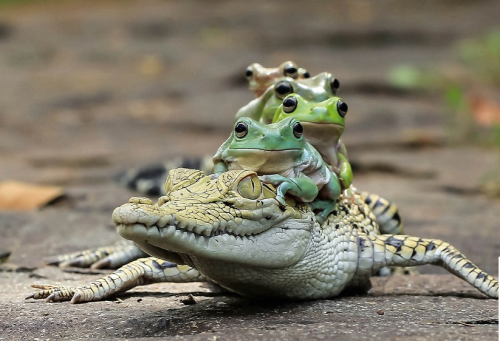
(91, 88)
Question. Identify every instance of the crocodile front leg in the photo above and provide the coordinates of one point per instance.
(376, 252)
(110, 257)
(140, 272)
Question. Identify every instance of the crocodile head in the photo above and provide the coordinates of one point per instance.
(232, 218)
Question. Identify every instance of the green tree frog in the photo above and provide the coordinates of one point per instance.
(281, 156)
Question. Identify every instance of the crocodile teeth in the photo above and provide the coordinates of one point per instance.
(199, 229)
(182, 225)
(164, 220)
(191, 226)
(215, 226)
(207, 232)
(147, 220)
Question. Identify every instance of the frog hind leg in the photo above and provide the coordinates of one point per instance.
(322, 208)
(302, 188)
(327, 198)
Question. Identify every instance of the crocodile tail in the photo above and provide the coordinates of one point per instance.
(149, 180)
(386, 213)
(401, 250)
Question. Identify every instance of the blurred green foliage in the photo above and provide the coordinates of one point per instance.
(477, 66)
(462, 85)
(482, 56)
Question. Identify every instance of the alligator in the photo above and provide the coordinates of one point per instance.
(230, 229)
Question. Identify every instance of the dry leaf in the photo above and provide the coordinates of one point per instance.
(19, 196)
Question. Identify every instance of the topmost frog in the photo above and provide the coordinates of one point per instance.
(315, 89)
(261, 78)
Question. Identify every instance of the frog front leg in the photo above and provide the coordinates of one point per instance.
(303, 187)
(220, 167)
(345, 172)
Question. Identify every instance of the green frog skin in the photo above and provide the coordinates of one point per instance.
(323, 123)
(261, 78)
(281, 156)
(316, 89)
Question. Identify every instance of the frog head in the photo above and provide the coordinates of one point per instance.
(324, 122)
(268, 149)
(330, 111)
(260, 78)
(316, 89)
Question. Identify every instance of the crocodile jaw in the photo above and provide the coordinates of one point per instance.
(278, 239)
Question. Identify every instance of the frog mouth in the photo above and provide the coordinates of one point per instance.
(269, 150)
(322, 132)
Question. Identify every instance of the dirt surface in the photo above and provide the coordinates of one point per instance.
(92, 88)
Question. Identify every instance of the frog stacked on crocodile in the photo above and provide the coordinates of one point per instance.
(272, 214)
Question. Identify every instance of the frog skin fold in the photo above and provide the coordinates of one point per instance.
(323, 123)
(261, 78)
(281, 156)
(315, 89)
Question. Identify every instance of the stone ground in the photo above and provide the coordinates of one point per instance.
(91, 88)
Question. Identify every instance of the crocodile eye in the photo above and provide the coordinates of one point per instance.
(241, 129)
(290, 104)
(249, 73)
(306, 74)
(298, 129)
(250, 187)
(283, 89)
(342, 108)
(334, 85)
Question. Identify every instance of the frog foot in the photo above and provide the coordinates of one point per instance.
(322, 208)
(278, 181)
(281, 201)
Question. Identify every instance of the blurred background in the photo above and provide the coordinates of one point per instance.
(91, 88)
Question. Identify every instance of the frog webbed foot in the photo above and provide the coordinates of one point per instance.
(281, 187)
(322, 209)
(303, 189)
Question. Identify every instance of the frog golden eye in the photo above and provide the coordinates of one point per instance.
(306, 74)
(241, 129)
(249, 73)
(250, 187)
(298, 129)
(283, 89)
(334, 85)
(290, 104)
(342, 108)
